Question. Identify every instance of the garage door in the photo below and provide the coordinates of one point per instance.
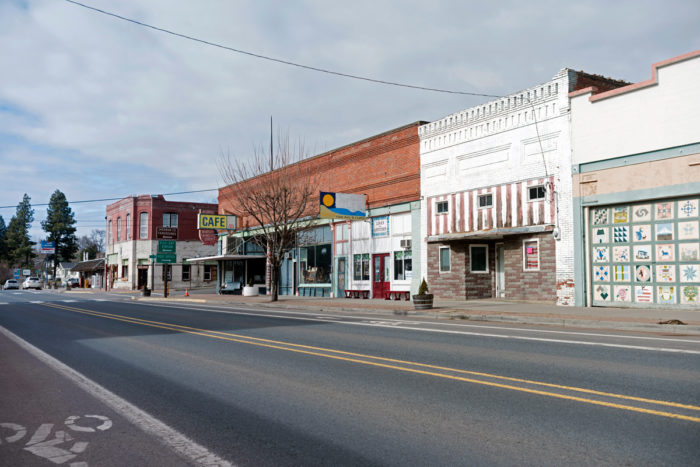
(646, 254)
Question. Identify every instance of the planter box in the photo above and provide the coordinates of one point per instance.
(423, 302)
(250, 291)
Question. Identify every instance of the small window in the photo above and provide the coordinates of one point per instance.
(128, 226)
(109, 232)
(169, 219)
(486, 201)
(403, 265)
(442, 207)
(535, 193)
(119, 228)
(209, 272)
(478, 258)
(531, 255)
(185, 272)
(445, 259)
(125, 271)
(361, 267)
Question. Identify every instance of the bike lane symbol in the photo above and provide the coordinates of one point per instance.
(40, 444)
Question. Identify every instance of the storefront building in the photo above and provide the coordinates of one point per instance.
(496, 196)
(377, 255)
(637, 190)
(143, 230)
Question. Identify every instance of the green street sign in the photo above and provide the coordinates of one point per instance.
(152, 256)
(166, 258)
(166, 246)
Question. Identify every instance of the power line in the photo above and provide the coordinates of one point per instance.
(284, 62)
(116, 199)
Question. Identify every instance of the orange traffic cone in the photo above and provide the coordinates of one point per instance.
(187, 293)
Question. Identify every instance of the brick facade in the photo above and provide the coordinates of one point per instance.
(520, 284)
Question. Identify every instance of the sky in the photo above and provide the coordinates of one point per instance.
(99, 107)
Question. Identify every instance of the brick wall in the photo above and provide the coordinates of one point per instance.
(385, 167)
(520, 284)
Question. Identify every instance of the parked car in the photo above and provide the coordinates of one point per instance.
(231, 288)
(31, 283)
(10, 284)
(73, 282)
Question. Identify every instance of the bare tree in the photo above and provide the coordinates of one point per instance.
(276, 206)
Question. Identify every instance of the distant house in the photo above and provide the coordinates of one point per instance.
(90, 272)
(64, 271)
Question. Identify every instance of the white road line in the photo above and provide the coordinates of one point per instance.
(195, 452)
(69, 301)
(394, 324)
(4, 303)
(36, 302)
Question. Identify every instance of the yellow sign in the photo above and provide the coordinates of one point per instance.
(216, 221)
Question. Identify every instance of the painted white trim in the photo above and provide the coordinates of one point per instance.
(440, 259)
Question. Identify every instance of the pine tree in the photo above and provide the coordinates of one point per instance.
(3, 241)
(19, 245)
(60, 227)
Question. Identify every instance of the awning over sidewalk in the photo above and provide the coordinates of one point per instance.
(92, 265)
(224, 258)
(492, 234)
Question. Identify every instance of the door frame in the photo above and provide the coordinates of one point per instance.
(500, 270)
(385, 286)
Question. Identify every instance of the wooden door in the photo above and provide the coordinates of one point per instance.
(380, 275)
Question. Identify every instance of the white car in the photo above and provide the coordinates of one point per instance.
(31, 283)
(10, 284)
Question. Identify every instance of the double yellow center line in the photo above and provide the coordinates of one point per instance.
(589, 396)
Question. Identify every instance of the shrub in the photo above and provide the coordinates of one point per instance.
(423, 288)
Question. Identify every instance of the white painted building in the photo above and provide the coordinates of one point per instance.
(636, 156)
(496, 196)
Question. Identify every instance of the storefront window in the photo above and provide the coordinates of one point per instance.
(403, 265)
(361, 267)
(315, 264)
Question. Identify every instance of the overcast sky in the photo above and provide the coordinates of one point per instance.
(98, 107)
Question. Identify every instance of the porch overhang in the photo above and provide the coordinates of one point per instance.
(224, 258)
(491, 234)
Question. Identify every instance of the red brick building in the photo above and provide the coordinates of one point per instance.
(385, 168)
(134, 227)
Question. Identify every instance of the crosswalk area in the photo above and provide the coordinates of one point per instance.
(17, 297)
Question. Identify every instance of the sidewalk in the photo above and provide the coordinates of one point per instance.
(662, 321)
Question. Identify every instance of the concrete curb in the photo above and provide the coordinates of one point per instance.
(452, 314)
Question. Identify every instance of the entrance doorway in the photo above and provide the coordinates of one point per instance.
(142, 277)
(500, 271)
(380, 275)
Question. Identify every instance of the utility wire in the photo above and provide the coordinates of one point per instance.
(284, 62)
(117, 199)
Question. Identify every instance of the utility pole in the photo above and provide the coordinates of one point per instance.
(271, 163)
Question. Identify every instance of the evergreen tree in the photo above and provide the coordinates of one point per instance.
(19, 245)
(60, 227)
(3, 241)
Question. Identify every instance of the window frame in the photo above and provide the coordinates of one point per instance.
(539, 260)
(444, 203)
(449, 260)
(170, 217)
(119, 229)
(186, 268)
(143, 225)
(405, 255)
(529, 193)
(471, 258)
(128, 227)
(484, 196)
(361, 273)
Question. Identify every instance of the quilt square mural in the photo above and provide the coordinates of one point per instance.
(646, 253)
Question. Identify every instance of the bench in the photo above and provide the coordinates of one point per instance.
(397, 294)
(356, 293)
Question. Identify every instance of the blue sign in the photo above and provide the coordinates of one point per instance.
(16, 273)
(48, 248)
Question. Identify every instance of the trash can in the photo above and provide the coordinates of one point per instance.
(146, 292)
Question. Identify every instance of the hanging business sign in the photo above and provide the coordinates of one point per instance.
(342, 206)
(380, 226)
(216, 221)
(166, 233)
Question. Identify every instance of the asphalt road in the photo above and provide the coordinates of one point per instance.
(292, 388)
